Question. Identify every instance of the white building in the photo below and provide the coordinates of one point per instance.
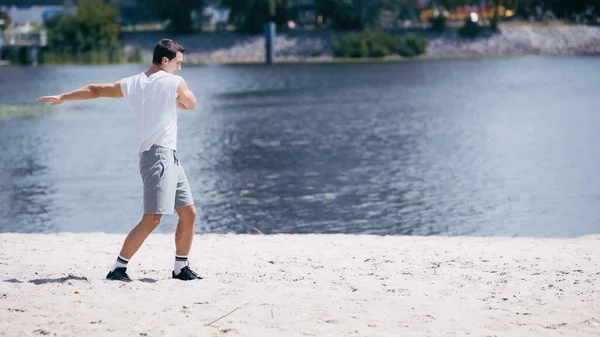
(29, 12)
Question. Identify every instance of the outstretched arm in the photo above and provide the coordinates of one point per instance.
(90, 91)
(185, 98)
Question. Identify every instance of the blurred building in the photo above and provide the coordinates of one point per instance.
(213, 15)
(31, 13)
(483, 8)
(35, 12)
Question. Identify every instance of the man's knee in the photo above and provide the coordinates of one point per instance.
(187, 214)
(151, 220)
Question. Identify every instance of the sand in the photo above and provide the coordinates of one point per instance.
(302, 285)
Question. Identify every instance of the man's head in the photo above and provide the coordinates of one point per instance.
(168, 54)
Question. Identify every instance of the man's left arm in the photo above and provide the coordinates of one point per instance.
(91, 91)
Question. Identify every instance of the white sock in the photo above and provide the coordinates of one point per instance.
(180, 262)
(121, 262)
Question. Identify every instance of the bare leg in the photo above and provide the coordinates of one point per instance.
(184, 234)
(138, 235)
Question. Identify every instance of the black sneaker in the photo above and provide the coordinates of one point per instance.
(119, 274)
(186, 274)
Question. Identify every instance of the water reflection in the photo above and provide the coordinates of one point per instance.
(26, 193)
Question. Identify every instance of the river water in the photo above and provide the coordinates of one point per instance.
(490, 147)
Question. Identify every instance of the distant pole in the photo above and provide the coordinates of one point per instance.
(270, 32)
(270, 41)
(31, 55)
(496, 15)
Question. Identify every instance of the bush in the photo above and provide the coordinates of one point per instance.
(415, 43)
(137, 56)
(351, 45)
(378, 44)
(15, 55)
(470, 29)
(382, 40)
(378, 50)
(438, 23)
(404, 51)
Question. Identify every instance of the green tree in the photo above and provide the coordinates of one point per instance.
(250, 15)
(509, 4)
(177, 11)
(343, 14)
(358, 14)
(564, 9)
(4, 18)
(496, 18)
(94, 28)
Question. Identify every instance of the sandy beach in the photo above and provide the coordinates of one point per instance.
(302, 285)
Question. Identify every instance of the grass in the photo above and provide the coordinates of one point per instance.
(7, 111)
(89, 58)
(316, 60)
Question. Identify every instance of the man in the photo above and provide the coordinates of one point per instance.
(154, 97)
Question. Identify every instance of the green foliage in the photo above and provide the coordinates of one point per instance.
(380, 39)
(4, 17)
(90, 37)
(90, 57)
(95, 27)
(177, 11)
(404, 51)
(511, 4)
(352, 45)
(566, 9)
(470, 29)
(415, 43)
(15, 55)
(438, 23)
(378, 44)
(137, 56)
(250, 15)
(342, 14)
(358, 14)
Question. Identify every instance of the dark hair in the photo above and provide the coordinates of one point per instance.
(166, 48)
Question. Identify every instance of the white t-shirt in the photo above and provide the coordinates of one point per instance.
(153, 101)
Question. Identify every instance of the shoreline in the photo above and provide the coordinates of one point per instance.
(515, 39)
(332, 60)
(302, 285)
(385, 60)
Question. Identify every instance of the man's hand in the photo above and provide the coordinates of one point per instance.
(53, 100)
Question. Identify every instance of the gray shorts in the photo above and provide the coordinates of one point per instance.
(165, 183)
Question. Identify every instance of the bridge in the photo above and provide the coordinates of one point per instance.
(29, 42)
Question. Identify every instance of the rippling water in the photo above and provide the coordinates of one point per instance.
(465, 147)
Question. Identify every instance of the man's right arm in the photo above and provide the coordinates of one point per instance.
(185, 98)
(91, 91)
